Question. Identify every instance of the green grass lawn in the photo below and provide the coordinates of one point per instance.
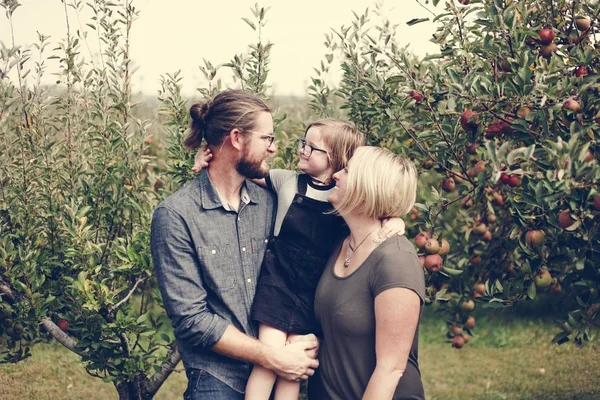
(508, 358)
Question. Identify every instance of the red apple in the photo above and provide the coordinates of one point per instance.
(543, 279)
(479, 288)
(498, 198)
(458, 342)
(596, 201)
(572, 105)
(472, 148)
(427, 164)
(470, 323)
(505, 66)
(63, 324)
(416, 95)
(475, 260)
(480, 228)
(492, 131)
(433, 263)
(564, 219)
(546, 35)
(535, 237)
(444, 247)
(523, 112)
(582, 23)
(448, 184)
(467, 306)
(589, 157)
(487, 236)
(466, 202)
(514, 181)
(581, 71)
(456, 330)
(421, 239)
(547, 50)
(432, 246)
(469, 120)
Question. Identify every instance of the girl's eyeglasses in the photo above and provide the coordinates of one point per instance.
(302, 146)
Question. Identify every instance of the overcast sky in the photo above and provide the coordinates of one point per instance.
(177, 34)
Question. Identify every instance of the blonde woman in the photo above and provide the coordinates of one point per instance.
(370, 297)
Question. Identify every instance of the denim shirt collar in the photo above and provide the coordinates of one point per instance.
(210, 197)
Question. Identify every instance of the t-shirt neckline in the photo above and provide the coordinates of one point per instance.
(341, 278)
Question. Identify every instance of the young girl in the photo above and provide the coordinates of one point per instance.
(304, 234)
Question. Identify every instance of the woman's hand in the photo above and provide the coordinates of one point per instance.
(391, 227)
(202, 158)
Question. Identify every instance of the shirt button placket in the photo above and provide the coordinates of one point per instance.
(243, 236)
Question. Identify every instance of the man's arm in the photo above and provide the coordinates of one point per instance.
(180, 281)
(184, 298)
(291, 362)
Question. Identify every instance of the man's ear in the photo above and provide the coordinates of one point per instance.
(237, 139)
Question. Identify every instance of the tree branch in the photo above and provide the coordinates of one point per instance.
(166, 368)
(124, 300)
(60, 336)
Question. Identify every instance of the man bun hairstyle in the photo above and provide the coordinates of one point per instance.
(214, 120)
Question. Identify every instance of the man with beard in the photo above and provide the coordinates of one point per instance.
(208, 240)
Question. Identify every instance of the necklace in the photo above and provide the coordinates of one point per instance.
(353, 249)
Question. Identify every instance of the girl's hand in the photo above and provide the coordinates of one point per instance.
(391, 227)
(203, 157)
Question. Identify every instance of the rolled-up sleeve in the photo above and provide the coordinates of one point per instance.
(180, 281)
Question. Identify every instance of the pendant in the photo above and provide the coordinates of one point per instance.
(346, 262)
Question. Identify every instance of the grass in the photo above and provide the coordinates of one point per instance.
(507, 358)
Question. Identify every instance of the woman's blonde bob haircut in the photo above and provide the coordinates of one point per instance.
(380, 184)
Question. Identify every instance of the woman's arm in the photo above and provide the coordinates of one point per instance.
(391, 227)
(394, 308)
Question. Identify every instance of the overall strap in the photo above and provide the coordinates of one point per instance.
(302, 184)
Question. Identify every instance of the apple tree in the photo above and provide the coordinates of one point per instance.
(504, 122)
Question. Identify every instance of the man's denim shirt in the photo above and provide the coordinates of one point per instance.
(207, 259)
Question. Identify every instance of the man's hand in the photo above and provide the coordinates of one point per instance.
(312, 353)
(293, 362)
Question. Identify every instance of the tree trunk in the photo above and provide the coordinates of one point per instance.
(134, 390)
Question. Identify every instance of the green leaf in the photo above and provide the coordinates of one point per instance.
(452, 271)
(532, 291)
(415, 21)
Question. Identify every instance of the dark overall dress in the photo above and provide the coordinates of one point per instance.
(293, 264)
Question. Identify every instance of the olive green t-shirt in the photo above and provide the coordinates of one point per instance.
(345, 308)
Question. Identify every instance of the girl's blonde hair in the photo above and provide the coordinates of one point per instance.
(341, 138)
(380, 184)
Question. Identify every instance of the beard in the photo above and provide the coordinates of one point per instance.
(251, 169)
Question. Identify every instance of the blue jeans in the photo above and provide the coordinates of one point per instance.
(203, 386)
